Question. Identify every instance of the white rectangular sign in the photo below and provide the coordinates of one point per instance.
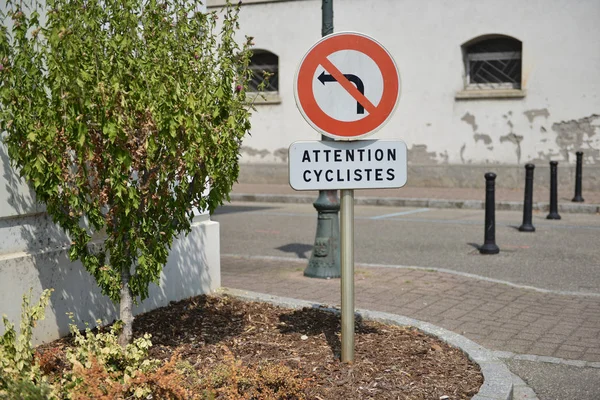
(359, 164)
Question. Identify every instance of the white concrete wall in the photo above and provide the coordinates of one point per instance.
(193, 268)
(559, 115)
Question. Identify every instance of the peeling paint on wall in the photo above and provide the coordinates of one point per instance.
(532, 114)
(512, 137)
(254, 152)
(470, 119)
(281, 153)
(516, 140)
(486, 139)
(545, 157)
(444, 156)
(577, 135)
(418, 154)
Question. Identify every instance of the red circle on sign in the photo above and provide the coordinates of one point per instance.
(317, 55)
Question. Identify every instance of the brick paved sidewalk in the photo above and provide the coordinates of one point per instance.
(497, 316)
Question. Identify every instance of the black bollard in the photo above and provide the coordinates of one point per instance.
(578, 168)
(489, 245)
(527, 226)
(553, 192)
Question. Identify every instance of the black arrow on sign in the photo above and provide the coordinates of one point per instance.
(352, 78)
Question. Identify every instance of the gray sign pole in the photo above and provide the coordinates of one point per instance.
(346, 236)
(347, 261)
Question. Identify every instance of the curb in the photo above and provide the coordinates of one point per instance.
(415, 202)
(498, 381)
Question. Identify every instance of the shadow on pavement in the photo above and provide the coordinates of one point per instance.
(239, 209)
(300, 249)
(475, 245)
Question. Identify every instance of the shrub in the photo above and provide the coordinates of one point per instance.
(101, 368)
(26, 390)
(20, 376)
(233, 380)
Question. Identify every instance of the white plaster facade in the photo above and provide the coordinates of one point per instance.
(33, 255)
(558, 114)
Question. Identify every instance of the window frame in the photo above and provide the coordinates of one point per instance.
(472, 90)
(264, 96)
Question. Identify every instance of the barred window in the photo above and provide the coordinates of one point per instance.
(493, 63)
(264, 61)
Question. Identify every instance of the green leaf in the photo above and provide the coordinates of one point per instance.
(110, 130)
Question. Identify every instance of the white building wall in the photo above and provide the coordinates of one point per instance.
(193, 268)
(560, 113)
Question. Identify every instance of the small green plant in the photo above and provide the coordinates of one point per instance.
(24, 390)
(96, 382)
(99, 355)
(20, 376)
(105, 349)
(231, 379)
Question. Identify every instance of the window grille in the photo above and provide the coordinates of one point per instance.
(494, 64)
(264, 61)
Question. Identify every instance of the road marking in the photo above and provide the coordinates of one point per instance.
(419, 210)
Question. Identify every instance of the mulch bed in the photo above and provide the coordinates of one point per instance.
(391, 362)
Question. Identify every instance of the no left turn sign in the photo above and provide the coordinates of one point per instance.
(347, 86)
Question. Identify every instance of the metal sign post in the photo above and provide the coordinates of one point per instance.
(347, 259)
(346, 87)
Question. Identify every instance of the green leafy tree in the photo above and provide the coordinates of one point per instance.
(120, 114)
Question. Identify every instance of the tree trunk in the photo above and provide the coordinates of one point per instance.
(126, 309)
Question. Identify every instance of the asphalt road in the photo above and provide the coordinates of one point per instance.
(560, 256)
(558, 382)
